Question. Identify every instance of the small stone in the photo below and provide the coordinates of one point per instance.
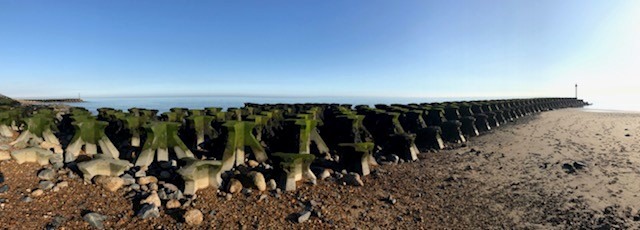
(46, 185)
(170, 187)
(109, 183)
(3, 200)
(61, 185)
(394, 158)
(71, 175)
(4, 155)
(95, 219)
(353, 179)
(171, 204)
(135, 187)
(258, 180)
(148, 211)
(234, 186)
(152, 199)
(56, 222)
(272, 185)
(27, 199)
(228, 196)
(128, 179)
(627, 135)
(47, 174)
(193, 217)
(4, 188)
(147, 180)
(5, 147)
(57, 161)
(247, 191)
(153, 187)
(263, 197)
(252, 163)
(579, 165)
(37, 193)
(1, 178)
(326, 173)
(304, 216)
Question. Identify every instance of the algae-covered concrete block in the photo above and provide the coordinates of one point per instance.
(356, 157)
(200, 174)
(294, 167)
(162, 136)
(103, 165)
(33, 155)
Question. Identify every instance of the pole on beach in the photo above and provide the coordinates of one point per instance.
(576, 91)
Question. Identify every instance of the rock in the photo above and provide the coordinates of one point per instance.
(56, 222)
(57, 161)
(247, 191)
(60, 185)
(272, 185)
(326, 173)
(170, 187)
(171, 204)
(391, 200)
(4, 155)
(263, 197)
(135, 187)
(353, 179)
(71, 175)
(37, 193)
(148, 211)
(228, 196)
(304, 216)
(109, 183)
(46, 185)
(26, 199)
(1, 178)
(394, 158)
(258, 181)
(47, 174)
(252, 163)
(95, 219)
(193, 217)
(128, 179)
(152, 199)
(147, 180)
(234, 186)
(153, 187)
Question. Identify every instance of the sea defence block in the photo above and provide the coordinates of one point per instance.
(89, 133)
(103, 165)
(298, 134)
(239, 135)
(134, 125)
(199, 126)
(294, 167)
(32, 155)
(39, 133)
(8, 119)
(161, 137)
(356, 157)
(200, 174)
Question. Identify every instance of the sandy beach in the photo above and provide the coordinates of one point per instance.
(562, 169)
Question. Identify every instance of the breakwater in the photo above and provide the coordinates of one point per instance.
(268, 145)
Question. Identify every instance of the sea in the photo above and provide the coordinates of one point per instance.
(163, 104)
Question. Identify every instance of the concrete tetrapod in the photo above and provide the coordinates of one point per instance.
(7, 119)
(103, 165)
(39, 133)
(294, 167)
(201, 124)
(32, 155)
(239, 136)
(160, 137)
(90, 134)
(356, 157)
(200, 174)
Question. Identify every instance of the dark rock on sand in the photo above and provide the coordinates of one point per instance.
(95, 219)
(4, 188)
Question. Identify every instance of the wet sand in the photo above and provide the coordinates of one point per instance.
(562, 169)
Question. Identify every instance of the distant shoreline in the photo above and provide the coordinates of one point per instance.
(58, 100)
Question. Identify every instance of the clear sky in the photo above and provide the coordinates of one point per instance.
(506, 48)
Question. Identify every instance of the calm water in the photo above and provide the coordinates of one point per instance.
(163, 104)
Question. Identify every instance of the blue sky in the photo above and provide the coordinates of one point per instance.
(506, 48)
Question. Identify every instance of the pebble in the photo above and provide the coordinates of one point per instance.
(56, 222)
(326, 173)
(1, 178)
(272, 185)
(304, 216)
(228, 196)
(37, 193)
(46, 185)
(47, 174)
(5, 147)
(128, 179)
(147, 180)
(57, 161)
(109, 183)
(60, 185)
(394, 158)
(263, 197)
(153, 187)
(3, 200)
(95, 219)
(193, 217)
(148, 211)
(170, 187)
(135, 187)
(171, 204)
(27, 199)
(252, 163)
(353, 179)
(152, 199)
(234, 186)
(71, 175)
(258, 180)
